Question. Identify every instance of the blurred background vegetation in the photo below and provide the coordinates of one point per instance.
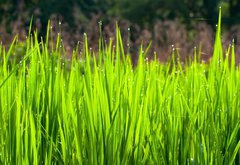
(163, 21)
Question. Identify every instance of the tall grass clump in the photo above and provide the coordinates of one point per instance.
(104, 110)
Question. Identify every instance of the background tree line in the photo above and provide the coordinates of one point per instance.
(142, 12)
(186, 23)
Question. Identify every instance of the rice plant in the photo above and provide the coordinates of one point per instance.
(104, 110)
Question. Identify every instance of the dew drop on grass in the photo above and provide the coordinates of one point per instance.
(192, 161)
(113, 99)
(59, 22)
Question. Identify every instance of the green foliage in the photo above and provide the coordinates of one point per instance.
(106, 111)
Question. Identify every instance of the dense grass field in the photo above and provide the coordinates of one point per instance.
(104, 110)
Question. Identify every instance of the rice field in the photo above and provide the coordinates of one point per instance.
(97, 108)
